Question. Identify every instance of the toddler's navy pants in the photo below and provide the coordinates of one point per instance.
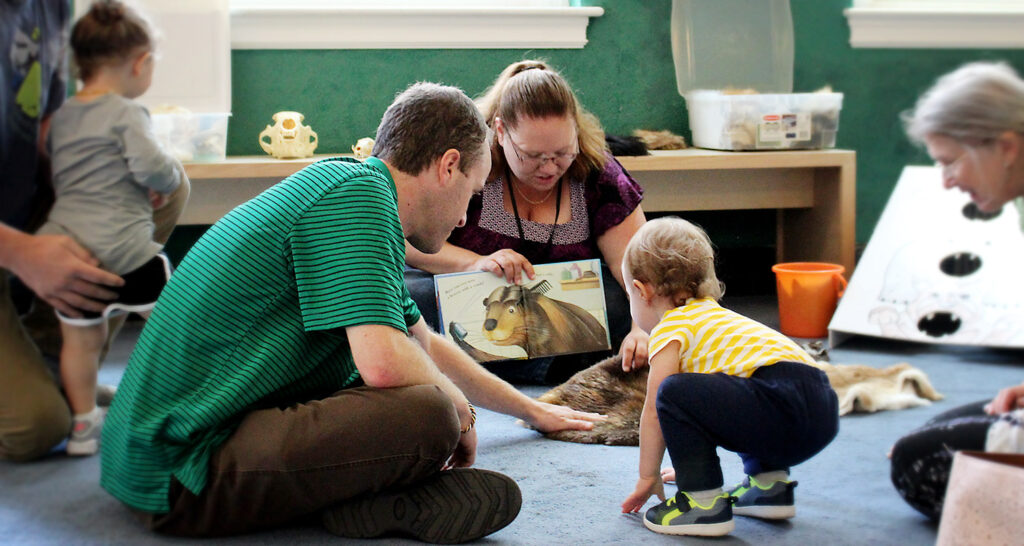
(780, 416)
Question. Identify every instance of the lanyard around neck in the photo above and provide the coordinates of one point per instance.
(515, 209)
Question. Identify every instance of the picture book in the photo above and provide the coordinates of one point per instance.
(560, 311)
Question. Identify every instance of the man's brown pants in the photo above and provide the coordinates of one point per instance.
(281, 465)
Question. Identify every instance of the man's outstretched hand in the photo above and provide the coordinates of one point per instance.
(552, 418)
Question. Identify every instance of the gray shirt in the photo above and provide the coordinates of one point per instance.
(105, 160)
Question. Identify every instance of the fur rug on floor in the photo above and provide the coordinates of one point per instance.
(605, 388)
(863, 389)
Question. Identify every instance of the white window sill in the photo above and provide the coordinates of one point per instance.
(398, 28)
(951, 28)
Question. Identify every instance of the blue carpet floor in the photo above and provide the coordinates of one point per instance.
(571, 492)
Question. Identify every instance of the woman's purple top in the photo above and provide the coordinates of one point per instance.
(597, 204)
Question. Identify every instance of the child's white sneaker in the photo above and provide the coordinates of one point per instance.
(85, 433)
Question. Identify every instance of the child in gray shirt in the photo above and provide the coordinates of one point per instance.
(109, 174)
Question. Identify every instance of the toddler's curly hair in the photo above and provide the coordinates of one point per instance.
(676, 258)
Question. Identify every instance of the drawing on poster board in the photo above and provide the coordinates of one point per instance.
(945, 290)
(937, 270)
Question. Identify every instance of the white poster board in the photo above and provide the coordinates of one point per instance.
(936, 270)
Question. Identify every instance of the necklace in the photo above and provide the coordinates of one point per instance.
(524, 245)
(528, 200)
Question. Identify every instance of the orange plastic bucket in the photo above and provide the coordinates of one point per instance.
(808, 293)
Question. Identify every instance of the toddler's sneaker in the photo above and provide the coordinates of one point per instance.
(85, 433)
(453, 506)
(690, 518)
(767, 501)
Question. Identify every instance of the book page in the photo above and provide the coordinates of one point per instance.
(560, 311)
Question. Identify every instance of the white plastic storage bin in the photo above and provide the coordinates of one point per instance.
(764, 121)
(193, 137)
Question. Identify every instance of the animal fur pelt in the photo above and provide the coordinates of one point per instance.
(863, 389)
(625, 145)
(604, 388)
(660, 140)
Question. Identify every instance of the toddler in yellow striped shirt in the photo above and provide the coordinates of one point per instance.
(717, 379)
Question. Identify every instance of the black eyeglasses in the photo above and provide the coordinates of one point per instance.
(535, 161)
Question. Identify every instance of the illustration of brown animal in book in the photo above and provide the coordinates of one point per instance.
(560, 311)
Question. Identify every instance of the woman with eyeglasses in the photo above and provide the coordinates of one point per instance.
(972, 123)
(554, 194)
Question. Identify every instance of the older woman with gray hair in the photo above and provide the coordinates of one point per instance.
(972, 123)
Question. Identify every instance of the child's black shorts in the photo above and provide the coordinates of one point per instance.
(141, 288)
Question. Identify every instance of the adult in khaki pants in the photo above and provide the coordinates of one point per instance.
(34, 416)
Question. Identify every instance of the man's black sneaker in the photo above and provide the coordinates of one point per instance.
(682, 515)
(766, 501)
(450, 507)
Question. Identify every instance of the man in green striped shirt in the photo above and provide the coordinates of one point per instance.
(285, 371)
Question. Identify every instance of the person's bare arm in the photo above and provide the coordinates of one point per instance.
(612, 244)
(454, 259)
(450, 259)
(652, 442)
(487, 390)
(387, 358)
(58, 270)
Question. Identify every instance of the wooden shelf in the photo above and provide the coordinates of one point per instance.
(257, 166)
(698, 159)
(813, 190)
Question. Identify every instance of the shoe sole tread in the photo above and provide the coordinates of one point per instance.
(454, 506)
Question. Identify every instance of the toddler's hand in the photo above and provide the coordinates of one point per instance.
(157, 200)
(634, 350)
(645, 487)
(668, 475)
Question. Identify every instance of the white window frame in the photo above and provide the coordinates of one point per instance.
(393, 24)
(936, 24)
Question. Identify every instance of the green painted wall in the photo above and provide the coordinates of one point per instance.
(624, 75)
(878, 84)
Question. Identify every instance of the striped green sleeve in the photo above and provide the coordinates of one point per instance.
(348, 254)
